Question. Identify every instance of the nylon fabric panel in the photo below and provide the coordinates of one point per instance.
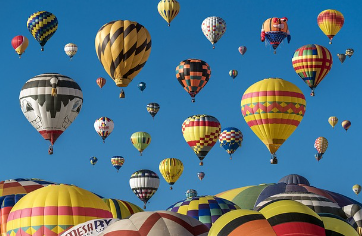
(335, 226)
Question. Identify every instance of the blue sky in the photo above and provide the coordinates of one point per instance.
(24, 152)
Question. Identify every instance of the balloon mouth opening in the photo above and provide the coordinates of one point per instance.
(122, 82)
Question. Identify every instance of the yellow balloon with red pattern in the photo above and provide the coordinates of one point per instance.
(330, 22)
(273, 109)
(201, 133)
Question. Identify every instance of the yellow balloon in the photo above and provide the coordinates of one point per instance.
(171, 169)
(333, 121)
(168, 9)
(330, 22)
(123, 48)
(273, 108)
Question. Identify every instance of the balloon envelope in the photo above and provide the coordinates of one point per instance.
(330, 22)
(213, 28)
(20, 43)
(168, 9)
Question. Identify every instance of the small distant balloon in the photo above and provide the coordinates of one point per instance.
(141, 140)
(233, 73)
(117, 162)
(101, 82)
(153, 109)
(93, 160)
(242, 50)
(201, 175)
(168, 9)
(20, 43)
(191, 193)
(213, 28)
(141, 86)
(333, 120)
(346, 124)
(341, 57)
(321, 144)
(70, 49)
(356, 188)
(349, 52)
(104, 127)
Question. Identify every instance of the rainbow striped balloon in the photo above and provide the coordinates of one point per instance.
(312, 63)
(273, 109)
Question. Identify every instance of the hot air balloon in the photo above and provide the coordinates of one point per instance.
(242, 50)
(273, 109)
(141, 86)
(312, 63)
(93, 160)
(201, 133)
(230, 139)
(101, 82)
(121, 209)
(70, 49)
(7, 203)
(20, 43)
(62, 206)
(129, 41)
(51, 102)
(349, 52)
(42, 25)
(168, 9)
(335, 225)
(341, 57)
(233, 73)
(213, 28)
(356, 188)
(157, 223)
(21, 186)
(141, 140)
(153, 108)
(346, 124)
(333, 120)
(104, 127)
(193, 75)
(321, 144)
(191, 193)
(171, 169)
(144, 183)
(206, 209)
(200, 175)
(330, 22)
(275, 30)
(117, 162)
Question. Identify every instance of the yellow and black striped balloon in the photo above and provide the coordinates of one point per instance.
(123, 48)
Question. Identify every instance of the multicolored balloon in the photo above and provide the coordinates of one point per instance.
(233, 73)
(356, 188)
(101, 82)
(20, 43)
(321, 144)
(206, 209)
(230, 139)
(130, 41)
(70, 49)
(333, 120)
(144, 183)
(191, 193)
(193, 75)
(312, 63)
(141, 86)
(330, 22)
(341, 57)
(171, 169)
(168, 9)
(335, 225)
(42, 25)
(117, 162)
(349, 52)
(51, 102)
(104, 127)
(200, 175)
(242, 50)
(7, 203)
(157, 223)
(121, 209)
(273, 109)
(213, 28)
(201, 133)
(93, 160)
(153, 109)
(346, 124)
(141, 140)
(275, 30)
(21, 186)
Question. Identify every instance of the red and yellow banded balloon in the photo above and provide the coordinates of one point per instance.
(330, 22)
(273, 109)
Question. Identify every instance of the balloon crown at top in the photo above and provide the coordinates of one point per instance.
(294, 179)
